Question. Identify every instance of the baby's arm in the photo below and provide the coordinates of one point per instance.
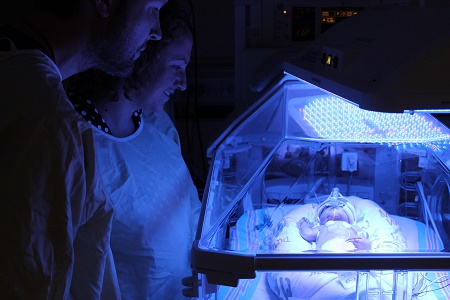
(361, 242)
(308, 230)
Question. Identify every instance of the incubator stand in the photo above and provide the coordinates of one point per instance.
(282, 159)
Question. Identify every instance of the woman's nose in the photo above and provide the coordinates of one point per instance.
(181, 83)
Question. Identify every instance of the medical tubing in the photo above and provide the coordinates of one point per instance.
(419, 189)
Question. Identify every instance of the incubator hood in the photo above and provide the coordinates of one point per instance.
(372, 187)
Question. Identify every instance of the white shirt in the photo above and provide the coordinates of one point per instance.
(156, 208)
(54, 217)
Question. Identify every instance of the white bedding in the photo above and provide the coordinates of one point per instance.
(383, 232)
(274, 230)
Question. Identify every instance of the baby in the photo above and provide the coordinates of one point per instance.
(335, 229)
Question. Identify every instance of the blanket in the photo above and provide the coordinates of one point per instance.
(274, 230)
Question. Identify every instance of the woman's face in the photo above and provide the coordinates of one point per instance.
(167, 74)
(333, 213)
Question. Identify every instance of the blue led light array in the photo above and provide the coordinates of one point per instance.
(337, 119)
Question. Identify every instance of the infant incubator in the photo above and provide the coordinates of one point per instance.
(305, 146)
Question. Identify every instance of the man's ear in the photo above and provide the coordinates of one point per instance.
(104, 7)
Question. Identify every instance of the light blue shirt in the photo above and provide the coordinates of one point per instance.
(156, 208)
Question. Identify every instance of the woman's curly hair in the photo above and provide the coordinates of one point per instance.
(176, 20)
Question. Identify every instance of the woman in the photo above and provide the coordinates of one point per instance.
(155, 202)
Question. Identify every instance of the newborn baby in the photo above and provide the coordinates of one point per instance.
(335, 229)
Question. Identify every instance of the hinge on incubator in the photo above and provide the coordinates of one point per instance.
(191, 283)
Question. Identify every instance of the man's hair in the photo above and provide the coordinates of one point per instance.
(59, 8)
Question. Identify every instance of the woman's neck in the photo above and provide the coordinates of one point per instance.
(117, 115)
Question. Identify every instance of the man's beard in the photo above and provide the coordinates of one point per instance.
(112, 53)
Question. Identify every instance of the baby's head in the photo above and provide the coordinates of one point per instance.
(334, 213)
(336, 209)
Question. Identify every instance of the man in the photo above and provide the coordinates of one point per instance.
(54, 217)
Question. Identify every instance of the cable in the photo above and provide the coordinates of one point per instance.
(425, 290)
(408, 180)
(201, 174)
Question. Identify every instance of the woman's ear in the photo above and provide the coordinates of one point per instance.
(104, 7)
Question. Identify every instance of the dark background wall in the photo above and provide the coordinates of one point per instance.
(201, 110)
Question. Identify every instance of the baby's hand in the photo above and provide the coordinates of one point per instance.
(308, 230)
(361, 242)
(305, 223)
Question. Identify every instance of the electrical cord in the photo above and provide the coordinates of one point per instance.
(441, 279)
(200, 174)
